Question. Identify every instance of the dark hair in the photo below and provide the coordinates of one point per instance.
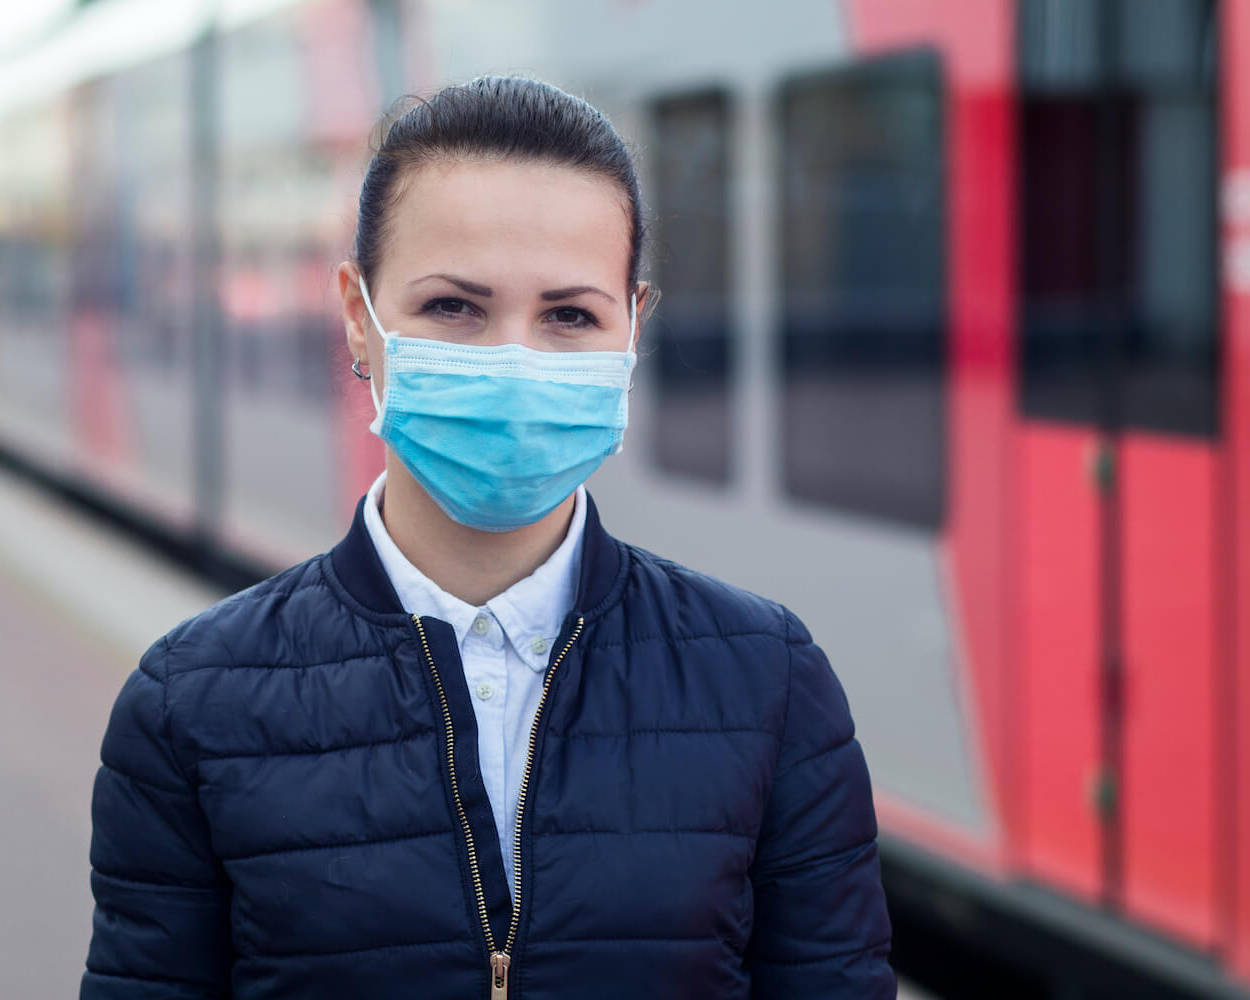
(494, 116)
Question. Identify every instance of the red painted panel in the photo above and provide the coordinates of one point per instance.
(976, 34)
(980, 428)
(1168, 586)
(975, 41)
(1235, 497)
(1060, 645)
(100, 423)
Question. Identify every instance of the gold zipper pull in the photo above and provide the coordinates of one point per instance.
(499, 963)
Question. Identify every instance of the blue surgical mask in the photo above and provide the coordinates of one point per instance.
(500, 436)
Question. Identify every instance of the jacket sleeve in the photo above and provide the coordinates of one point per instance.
(161, 926)
(821, 930)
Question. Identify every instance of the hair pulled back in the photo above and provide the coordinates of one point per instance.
(503, 117)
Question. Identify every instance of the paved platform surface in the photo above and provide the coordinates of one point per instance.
(79, 603)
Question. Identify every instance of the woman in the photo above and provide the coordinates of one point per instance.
(481, 748)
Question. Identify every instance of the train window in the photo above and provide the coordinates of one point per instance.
(690, 330)
(1117, 146)
(862, 275)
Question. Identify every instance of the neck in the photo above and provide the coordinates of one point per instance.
(469, 564)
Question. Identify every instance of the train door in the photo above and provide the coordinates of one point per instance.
(1119, 445)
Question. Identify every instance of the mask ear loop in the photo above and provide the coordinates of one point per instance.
(633, 321)
(630, 359)
(633, 333)
(373, 383)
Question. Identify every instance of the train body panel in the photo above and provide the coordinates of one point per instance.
(1233, 750)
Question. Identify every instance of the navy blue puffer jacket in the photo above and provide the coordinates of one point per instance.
(290, 803)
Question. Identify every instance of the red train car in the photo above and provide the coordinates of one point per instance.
(1099, 531)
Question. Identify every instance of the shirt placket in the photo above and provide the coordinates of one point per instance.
(484, 655)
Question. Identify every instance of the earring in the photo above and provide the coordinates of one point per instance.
(358, 373)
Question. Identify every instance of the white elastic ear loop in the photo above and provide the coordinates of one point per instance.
(631, 358)
(633, 321)
(373, 383)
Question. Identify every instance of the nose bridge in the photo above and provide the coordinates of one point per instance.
(512, 323)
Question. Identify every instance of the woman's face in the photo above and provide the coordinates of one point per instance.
(499, 252)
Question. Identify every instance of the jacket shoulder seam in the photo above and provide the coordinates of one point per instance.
(822, 752)
(179, 633)
(167, 726)
(166, 789)
(380, 654)
(143, 979)
(151, 885)
(763, 608)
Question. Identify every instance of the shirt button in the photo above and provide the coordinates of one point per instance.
(485, 691)
(481, 625)
(539, 646)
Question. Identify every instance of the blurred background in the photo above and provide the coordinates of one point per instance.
(953, 358)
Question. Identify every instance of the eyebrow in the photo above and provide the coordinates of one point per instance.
(568, 293)
(554, 295)
(472, 287)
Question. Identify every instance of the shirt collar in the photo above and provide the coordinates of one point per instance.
(530, 612)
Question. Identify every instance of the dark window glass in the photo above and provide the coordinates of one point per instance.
(690, 331)
(864, 303)
(1117, 147)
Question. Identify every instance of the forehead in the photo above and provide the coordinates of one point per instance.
(509, 222)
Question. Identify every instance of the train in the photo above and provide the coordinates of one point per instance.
(952, 358)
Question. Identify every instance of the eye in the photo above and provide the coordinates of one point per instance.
(571, 316)
(448, 308)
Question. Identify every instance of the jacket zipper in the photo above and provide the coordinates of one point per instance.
(500, 959)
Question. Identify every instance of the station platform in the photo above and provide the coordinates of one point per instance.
(79, 603)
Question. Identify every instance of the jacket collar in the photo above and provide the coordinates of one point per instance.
(355, 563)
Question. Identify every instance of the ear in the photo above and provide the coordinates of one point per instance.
(644, 299)
(352, 309)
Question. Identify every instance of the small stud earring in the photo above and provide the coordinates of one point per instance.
(358, 373)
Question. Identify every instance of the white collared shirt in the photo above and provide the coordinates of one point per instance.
(505, 646)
